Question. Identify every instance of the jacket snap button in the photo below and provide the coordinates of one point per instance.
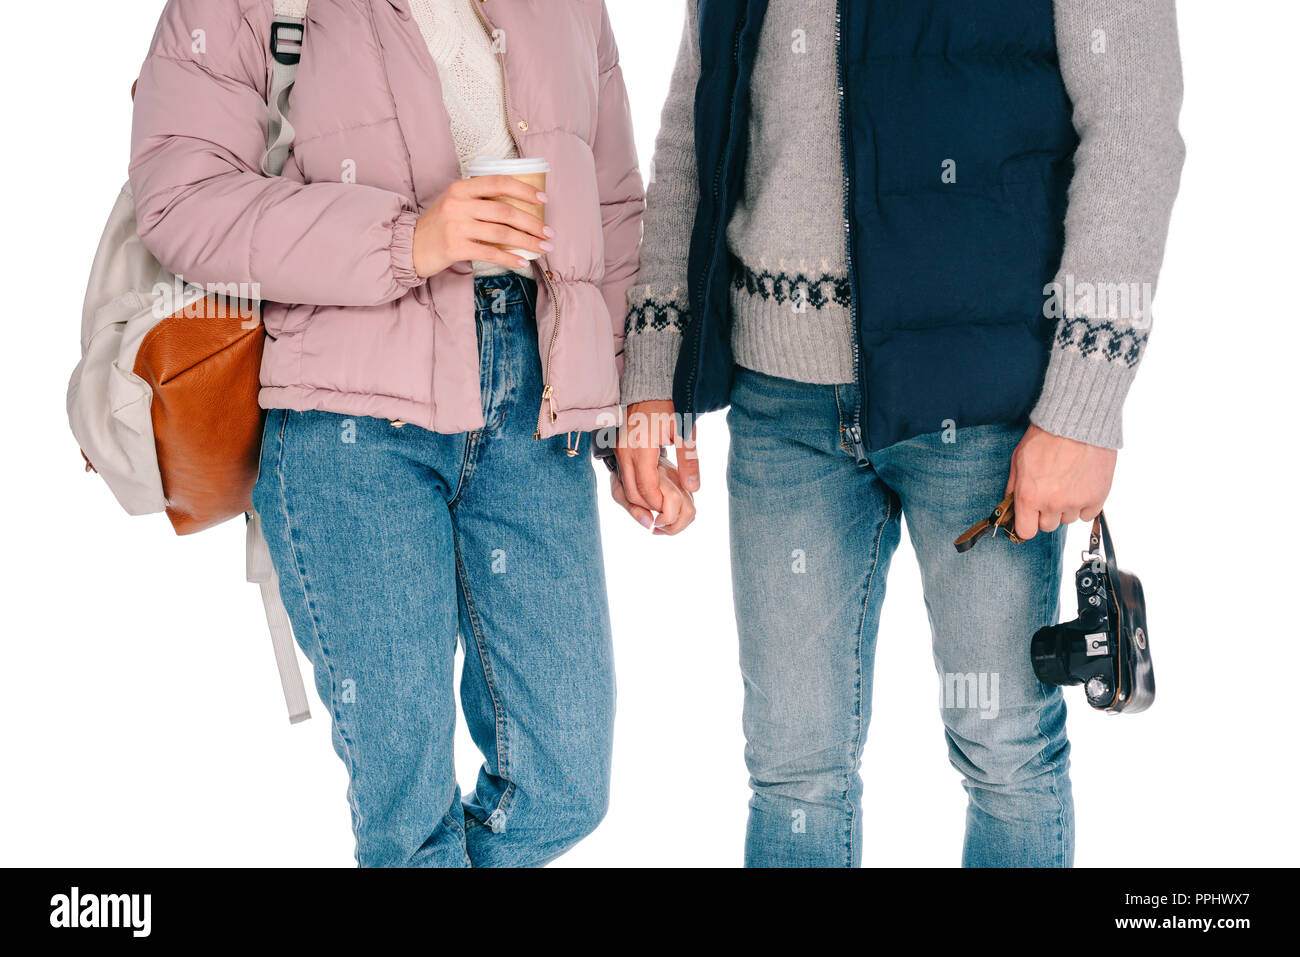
(523, 126)
(397, 423)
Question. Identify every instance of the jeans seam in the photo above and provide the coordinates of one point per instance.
(1042, 735)
(317, 630)
(496, 399)
(1051, 776)
(862, 620)
(502, 738)
(459, 826)
(506, 381)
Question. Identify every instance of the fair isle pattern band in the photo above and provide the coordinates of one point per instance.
(1116, 342)
(656, 315)
(817, 292)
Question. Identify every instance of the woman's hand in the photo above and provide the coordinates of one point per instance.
(467, 220)
(677, 506)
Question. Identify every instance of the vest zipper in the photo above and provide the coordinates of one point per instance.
(697, 341)
(854, 432)
(548, 390)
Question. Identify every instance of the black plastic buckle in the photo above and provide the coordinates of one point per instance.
(288, 59)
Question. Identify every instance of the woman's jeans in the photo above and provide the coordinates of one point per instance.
(812, 536)
(390, 542)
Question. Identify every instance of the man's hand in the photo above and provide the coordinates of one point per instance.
(1057, 481)
(650, 427)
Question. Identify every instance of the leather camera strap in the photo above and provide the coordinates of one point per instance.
(1003, 518)
(1101, 536)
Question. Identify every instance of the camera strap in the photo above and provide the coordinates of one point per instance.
(1003, 517)
(1101, 536)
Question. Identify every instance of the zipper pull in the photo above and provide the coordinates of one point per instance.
(548, 402)
(854, 433)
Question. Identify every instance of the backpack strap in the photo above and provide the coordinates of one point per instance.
(262, 573)
(288, 30)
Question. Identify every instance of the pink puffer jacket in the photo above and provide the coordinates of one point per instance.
(364, 335)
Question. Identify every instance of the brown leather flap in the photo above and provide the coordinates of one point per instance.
(205, 372)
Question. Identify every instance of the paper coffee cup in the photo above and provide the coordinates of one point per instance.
(530, 171)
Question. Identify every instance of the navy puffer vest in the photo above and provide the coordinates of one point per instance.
(948, 277)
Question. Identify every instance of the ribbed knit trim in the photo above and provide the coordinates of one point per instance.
(650, 377)
(1083, 398)
(792, 339)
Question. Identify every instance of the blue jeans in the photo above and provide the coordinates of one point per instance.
(812, 537)
(392, 541)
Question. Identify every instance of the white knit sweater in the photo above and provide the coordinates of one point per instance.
(472, 85)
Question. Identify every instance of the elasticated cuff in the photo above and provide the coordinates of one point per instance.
(403, 249)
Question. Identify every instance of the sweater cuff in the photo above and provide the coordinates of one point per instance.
(1083, 398)
(403, 249)
(649, 362)
(652, 344)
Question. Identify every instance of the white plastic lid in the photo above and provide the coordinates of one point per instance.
(493, 166)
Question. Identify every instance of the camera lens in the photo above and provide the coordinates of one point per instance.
(1050, 652)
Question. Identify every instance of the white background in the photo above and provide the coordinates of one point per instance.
(142, 717)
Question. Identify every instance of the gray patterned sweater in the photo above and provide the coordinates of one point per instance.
(1121, 65)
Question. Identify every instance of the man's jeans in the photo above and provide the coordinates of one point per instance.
(391, 541)
(812, 536)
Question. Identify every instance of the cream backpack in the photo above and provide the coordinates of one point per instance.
(156, 353)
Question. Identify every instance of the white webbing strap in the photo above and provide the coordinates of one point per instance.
(262, 573)
(288, 29)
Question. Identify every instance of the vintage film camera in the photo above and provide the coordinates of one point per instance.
(1107, 649)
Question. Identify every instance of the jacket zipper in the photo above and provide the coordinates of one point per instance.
(854, 431)
(548, 390)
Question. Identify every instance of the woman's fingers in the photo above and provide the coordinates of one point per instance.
(678, 511)
(480, 252)
(494, 211)
(499, 235)
(494, 187)
(642, 515)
